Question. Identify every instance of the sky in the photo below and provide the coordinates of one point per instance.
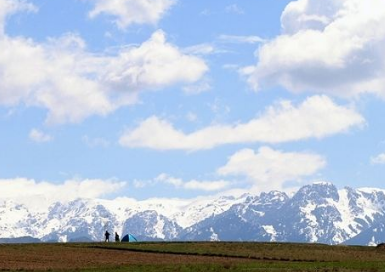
(184, 99)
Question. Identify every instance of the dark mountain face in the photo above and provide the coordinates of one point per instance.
(374, 235)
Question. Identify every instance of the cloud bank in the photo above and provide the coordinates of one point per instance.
(316, 117)
(22, 188)
(333, 47)
(73, 84)
(269, 169)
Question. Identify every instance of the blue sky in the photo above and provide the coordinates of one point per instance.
(182, 98)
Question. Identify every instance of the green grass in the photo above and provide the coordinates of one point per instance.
(266, 256)
(258, 251)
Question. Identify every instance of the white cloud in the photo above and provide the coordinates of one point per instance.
(73, 84)
(240, 39)
(208, 186)
(8, 7)
(333, 46)
(200, 49)
(269, 169)
(39, 136)
(58, 78)
(316, 117)
(153, 65)
(60, 75)
(193, 184)
(128, 12)
(21, 188)
(379, 159)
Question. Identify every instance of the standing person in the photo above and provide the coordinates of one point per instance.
(117, 238)
(107, 235)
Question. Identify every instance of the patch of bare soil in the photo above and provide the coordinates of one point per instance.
(62, 257)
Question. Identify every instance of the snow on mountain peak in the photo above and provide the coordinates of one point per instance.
(318, 212)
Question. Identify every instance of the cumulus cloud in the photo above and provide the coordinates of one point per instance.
(316, 117)
(61, 76)
(333, 46)
(379, 159)
(269, 169)
(128, 12)
(39, 136)
(155, 64)
(22, 188)
(57, 78)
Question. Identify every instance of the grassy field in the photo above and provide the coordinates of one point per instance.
(186, 257)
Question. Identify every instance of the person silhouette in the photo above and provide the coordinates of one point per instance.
(107, 235)
(117, 238)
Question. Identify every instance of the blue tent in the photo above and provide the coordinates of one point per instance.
(129, 238)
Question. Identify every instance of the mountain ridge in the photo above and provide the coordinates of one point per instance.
(316, 213)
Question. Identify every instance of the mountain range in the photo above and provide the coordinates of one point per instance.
(316, 213)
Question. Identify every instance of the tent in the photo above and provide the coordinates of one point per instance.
(129, 238)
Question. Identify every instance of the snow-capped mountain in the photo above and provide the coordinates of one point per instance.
(315, 213)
